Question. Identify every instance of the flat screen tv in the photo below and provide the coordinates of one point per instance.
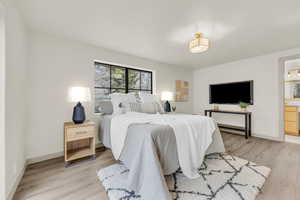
(231, 93)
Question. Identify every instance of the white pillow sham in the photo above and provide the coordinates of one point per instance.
(118, 99)
(150, 108)
(150, 98)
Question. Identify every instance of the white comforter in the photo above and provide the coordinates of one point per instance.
(193, 136)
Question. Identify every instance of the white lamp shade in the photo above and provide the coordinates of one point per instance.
(167, 96)
(79, 94)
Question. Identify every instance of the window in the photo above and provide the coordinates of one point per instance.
(112, 78)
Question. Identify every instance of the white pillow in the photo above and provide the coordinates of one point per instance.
(150, 98)
(150, 108)
(118, 99)
(133, 107)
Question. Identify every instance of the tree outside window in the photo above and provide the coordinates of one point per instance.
(111, 78)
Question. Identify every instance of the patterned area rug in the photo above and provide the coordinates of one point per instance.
(223, 177)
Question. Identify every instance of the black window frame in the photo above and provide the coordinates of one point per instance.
(127, 89)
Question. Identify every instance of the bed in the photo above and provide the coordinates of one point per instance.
(150, 151)
(104, 134)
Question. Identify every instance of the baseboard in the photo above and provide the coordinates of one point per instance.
(45, 157)
(278, 139)
(16, 184)
(292, 139)
(35, 160)
(51, 156)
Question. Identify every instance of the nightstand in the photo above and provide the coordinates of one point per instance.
(79, 141)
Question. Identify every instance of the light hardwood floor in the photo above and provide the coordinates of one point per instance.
(51, 180)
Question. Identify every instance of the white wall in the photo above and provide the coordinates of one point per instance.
(57, 64)
(268, 91)
(2, 103)
(15, 96)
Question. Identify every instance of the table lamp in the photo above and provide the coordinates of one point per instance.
(167, 96)
(79, 94)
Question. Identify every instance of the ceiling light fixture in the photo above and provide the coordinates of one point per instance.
(199, 44)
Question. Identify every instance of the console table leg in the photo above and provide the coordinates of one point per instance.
(246, 126)
(247, 115)
(250, 125)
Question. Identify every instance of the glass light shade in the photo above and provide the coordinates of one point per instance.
(167, 96)
(79, 94)
(199, 44)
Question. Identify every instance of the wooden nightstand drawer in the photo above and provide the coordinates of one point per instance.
(80, 132)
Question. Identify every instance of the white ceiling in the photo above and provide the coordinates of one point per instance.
(160, 29)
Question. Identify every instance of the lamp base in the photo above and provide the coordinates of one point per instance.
(167, 106)
(78, 114)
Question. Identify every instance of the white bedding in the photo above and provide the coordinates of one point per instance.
(193, 136)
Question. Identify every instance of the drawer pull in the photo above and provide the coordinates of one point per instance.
(81, 132)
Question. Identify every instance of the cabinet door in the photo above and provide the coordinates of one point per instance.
(291, 120)
(291, 116)
(291, 108)
(291, 128)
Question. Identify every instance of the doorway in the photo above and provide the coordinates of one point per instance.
(290, 74)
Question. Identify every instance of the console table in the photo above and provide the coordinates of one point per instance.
(246, 129)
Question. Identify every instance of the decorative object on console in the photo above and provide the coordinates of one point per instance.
(216, 107)
(243, 106)
(182, 91)
(79, 94)
(167, 96)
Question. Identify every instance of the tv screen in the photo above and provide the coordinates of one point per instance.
(231, 93)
